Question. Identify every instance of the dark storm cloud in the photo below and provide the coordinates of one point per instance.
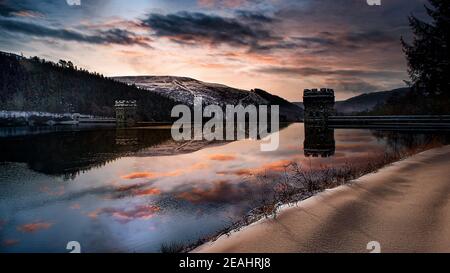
(112, 36)
(199, 28)
(257, 32)
(327, 42)
(353, 85)
(53, 8)
(12, 8)
(268, 47)
(369, 37)
(347, 41)
(253, 17)
(337, 13)
(344, 80)
(315, 71)
(5, 9)
(334, 26)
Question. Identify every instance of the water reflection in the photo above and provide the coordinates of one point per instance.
(68, 151)
(319, 141)
(130, 189)
(397, 141)
(71, 152)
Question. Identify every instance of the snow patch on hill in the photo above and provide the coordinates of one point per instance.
(183, 90)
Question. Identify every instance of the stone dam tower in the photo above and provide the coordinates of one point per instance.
(319, 105)
(126, 112)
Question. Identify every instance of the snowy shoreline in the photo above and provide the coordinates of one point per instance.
(31, 118)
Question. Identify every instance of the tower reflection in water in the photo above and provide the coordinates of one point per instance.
(319, 141)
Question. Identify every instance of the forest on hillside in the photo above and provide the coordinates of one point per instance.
(34, 84)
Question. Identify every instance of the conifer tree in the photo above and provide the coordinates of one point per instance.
(429, 54)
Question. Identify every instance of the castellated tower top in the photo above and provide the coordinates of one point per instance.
(322, 92)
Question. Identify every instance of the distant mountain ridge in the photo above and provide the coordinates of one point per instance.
(365, 102)
(183, 90)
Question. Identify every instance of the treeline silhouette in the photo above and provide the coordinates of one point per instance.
(428, 57)
(34, 84)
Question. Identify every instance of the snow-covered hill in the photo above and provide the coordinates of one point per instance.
(183, 90)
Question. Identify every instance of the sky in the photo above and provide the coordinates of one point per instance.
(281, 46)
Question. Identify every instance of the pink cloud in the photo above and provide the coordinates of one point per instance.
(222, 3)
(277, 166)
(141, 212)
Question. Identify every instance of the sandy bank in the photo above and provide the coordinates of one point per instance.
(405, 207)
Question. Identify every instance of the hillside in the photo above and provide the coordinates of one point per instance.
(365, 102)
(183, 90)
(287, 109)
(38, 85)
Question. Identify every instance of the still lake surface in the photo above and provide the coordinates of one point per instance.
(133, 190)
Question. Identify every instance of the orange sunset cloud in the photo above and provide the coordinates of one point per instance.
(152, 191)
(34, 227)
(10, 242)
(222, 157)
(151, 175)
(221, 191)
(277, 166)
